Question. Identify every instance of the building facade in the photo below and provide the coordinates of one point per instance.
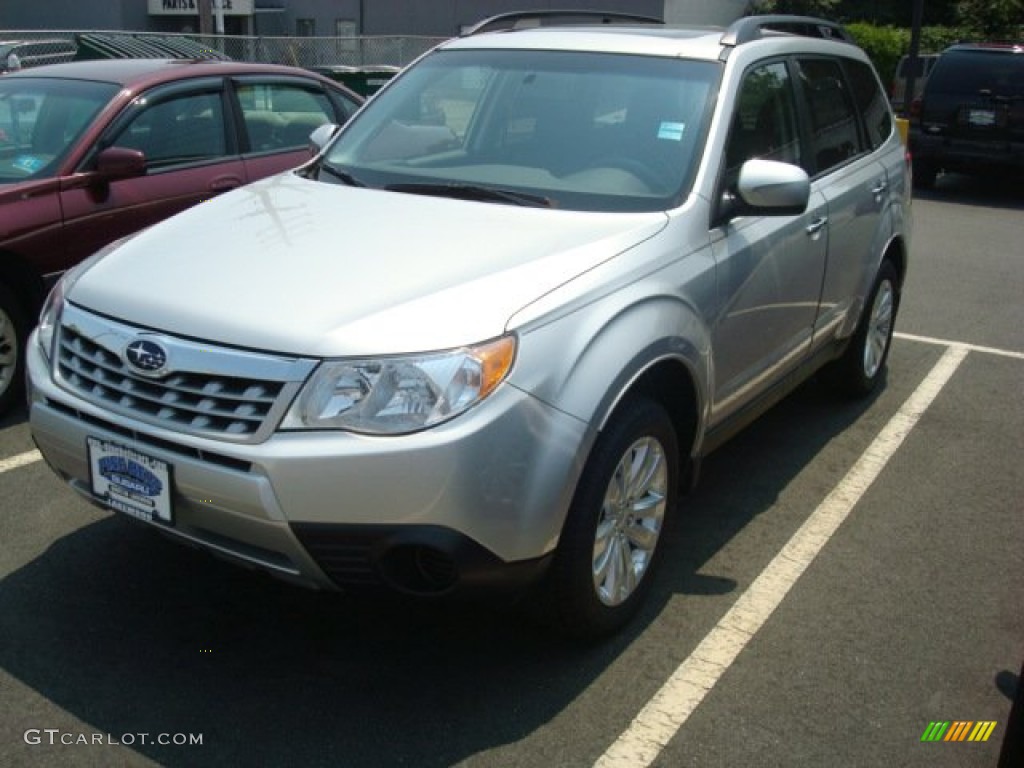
(329, 18)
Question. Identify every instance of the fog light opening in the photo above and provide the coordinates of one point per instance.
(420, 570)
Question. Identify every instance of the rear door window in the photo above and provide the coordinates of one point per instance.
(835, 137)
(281, 116)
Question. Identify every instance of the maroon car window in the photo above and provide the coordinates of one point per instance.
(279, 116)
(183, 129)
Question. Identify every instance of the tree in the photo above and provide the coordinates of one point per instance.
(823, 8)
(993, 19)
(982, 19)
(895, 12)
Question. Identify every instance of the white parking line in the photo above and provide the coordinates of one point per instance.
(29, 457)
(960, 345)
(649, 733)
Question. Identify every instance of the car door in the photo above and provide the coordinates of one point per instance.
(770, 268)
(191, 156)
(277, 114)
(848, 174)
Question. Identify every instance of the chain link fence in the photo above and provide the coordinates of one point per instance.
(42, 47)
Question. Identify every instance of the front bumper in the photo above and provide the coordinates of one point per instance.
(478, 501)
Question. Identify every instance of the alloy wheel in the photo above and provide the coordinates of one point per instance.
(879, 329)
(8, 351)
(630, 523)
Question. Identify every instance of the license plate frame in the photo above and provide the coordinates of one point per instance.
(129, 481)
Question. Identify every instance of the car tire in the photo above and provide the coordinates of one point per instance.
(13, 332)
(860, 368)
(614, 533)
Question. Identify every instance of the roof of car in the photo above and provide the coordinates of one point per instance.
(652, 39)
(708, 43)
(129, 72)
(996, 47)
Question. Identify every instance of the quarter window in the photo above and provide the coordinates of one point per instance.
(871, 102)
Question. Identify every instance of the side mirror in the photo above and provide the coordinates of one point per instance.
(774, 189)
(766, 188)
(115, 163)
(320, 137)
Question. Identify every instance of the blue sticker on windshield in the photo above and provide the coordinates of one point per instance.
(28, 163)
(672, 131)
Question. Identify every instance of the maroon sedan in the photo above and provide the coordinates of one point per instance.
(91, 151)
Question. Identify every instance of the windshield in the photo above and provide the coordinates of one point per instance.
(40, 119)
(578, 131)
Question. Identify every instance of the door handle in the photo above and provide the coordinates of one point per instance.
(816, 226)
(224, 183)
(879, 188)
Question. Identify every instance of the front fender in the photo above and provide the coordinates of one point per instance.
(585, 363)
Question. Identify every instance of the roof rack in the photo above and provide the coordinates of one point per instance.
(552, 18)
(750, 28)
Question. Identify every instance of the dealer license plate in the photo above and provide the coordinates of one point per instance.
(981, 118)
(130, 482)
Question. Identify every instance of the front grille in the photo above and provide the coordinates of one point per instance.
(164, 445)
(214, 392)
(201, 402)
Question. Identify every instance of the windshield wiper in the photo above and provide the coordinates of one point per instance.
(474, 192)
(343, 176)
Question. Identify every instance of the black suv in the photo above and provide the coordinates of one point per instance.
(971, 117)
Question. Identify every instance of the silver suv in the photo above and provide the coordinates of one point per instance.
(484, 337)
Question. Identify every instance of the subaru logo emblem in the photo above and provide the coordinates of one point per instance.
(146, 357)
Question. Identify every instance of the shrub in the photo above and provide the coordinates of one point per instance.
(884, 44)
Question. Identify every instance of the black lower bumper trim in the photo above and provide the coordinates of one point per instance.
(422, 560)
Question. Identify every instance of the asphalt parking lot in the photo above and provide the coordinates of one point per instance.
(844, 576)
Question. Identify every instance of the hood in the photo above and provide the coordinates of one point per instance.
(302, 267)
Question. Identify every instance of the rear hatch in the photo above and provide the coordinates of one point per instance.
(976, 94)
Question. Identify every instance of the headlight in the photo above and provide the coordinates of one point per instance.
(49, 318)
(395, 395)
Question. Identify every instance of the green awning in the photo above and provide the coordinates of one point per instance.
(102, 45)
